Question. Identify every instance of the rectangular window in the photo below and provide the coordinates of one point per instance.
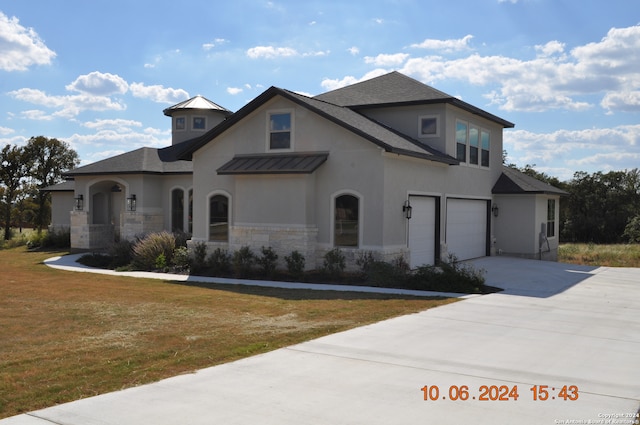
(461, 141)
(551, 218)
(485, 141)
(280, 131)
(199, 123)
(473, 145)
(180, 123)
(428, 126)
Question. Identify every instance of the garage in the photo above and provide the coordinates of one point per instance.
(423, 230)
(467, 228)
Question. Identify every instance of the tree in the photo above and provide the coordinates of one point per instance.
(47, 160)
(13, 169)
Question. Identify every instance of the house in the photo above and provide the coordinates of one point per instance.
(388, 165)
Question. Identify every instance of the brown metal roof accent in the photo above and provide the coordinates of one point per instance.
(278, 163)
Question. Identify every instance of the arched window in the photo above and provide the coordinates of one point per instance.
(346, 217)
(177, 210)
(219, 218)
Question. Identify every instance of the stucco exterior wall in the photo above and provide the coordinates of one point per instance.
(62, 203)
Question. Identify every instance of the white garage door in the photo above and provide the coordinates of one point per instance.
(466, 228)
(422, 231)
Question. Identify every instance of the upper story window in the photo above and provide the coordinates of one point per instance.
(280, 130)
(181, 123)
(199, 123)
(473, 144)
(461, 141)
(428, 126)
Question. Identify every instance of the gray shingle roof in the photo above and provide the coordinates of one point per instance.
(386, 138)
(395, 89)
(279, 163)
(65, 186)
(139, 161)
(512, 181)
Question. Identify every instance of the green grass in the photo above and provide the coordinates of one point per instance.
(621, 255)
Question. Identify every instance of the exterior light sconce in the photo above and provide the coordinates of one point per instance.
(495, 210)
(79, 202)
(131, 203)
(406, 209)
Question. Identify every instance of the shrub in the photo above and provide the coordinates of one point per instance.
(147, 250)
(394, 274)
(365, 260)
(334, 263)
(243, 261)
(448, 276)
(181, 260)
(59, 238)
(121, 253)
(268, 261)
(295, 264)
(161, 262)
(198, 260)
(181, 238)
(219, 262)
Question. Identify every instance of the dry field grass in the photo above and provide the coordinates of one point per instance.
(618, 255)
(66, 336)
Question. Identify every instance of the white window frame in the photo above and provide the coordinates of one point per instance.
(428, 135)
(480, 130)
(291, 130)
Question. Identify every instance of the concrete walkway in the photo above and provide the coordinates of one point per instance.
(555, 326)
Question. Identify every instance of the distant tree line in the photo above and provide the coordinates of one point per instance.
(24, 171)
(601, 207)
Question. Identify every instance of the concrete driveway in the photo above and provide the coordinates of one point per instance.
(555, 327)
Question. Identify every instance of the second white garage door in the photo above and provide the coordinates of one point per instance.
(466, 228)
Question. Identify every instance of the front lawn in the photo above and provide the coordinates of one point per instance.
(66, 335)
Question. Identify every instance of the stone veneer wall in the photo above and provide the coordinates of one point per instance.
(136, 223)
(283, 240)
(85, 236)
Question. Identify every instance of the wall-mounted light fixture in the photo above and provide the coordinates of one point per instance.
(407, 209)
(495, 210)
(79, 202)
(131, 203)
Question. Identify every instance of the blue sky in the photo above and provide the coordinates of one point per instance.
(97, 74)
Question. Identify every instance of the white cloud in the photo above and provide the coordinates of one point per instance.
(234, 90)
(36, 115)
(112, 123)
(445, 45)
(607, 148)
(353, 50)
(549, 49)
(214, 43)
(333, 84)
(99, 83)
(5, 131)
(391, 60)
(21, 47)
(67, 106)
(271, 52)
(158, 93)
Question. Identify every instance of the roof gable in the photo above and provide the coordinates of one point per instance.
(396, 89)
(382, 136)
(512, 181)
